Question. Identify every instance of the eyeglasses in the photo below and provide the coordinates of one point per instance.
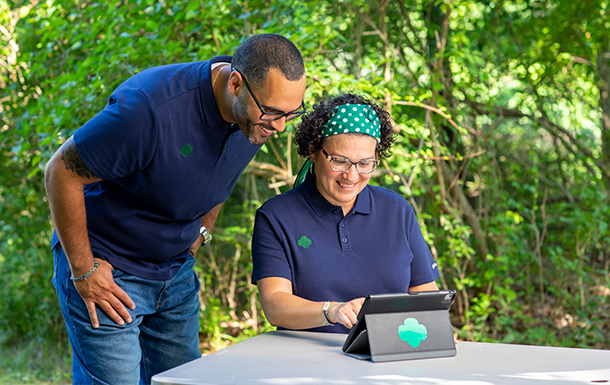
(270, 116)
(342, 164)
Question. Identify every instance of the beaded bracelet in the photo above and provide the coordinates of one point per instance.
(82, 278)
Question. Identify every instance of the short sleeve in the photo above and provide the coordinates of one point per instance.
(269, 257)
(423, 267)
(122, 138)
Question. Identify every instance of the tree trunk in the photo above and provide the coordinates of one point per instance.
(437, 44)
(604, 103)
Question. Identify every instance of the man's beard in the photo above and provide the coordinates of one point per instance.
(250, 131)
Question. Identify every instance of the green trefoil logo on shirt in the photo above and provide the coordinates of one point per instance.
(304, 242)
(186, 150)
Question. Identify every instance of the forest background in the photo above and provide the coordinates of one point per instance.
(502, 112)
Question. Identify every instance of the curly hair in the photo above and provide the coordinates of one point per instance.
(308, 136)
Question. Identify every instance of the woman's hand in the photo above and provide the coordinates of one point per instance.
(345, 313)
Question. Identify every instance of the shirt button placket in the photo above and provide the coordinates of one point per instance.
(343, 236)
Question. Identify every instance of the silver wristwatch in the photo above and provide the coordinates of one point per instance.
(207, 237)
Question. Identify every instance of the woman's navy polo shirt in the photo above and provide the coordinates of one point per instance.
(376, 248)
(166, 158)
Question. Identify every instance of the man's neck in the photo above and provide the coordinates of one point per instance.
(224, 100)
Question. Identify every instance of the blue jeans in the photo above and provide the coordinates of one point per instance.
(164, 332)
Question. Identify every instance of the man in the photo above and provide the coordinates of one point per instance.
(135, 191)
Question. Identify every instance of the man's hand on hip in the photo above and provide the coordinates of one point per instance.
(101, 290)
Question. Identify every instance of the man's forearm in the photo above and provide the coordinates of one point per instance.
(209, 219)
(65, 178)
(65, 192)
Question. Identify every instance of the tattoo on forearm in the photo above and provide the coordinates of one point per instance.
(73, 161)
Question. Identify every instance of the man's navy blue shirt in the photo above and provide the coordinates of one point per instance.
(166, 158)
(376, 248)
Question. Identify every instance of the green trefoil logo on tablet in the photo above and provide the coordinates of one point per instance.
(186, 150)
(304, 242)
(412, 332)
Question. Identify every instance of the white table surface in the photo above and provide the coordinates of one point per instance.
(289, 357)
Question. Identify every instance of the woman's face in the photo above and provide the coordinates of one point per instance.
(342, 188)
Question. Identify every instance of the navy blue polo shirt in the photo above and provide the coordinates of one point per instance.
(376, 248)
(166, 158)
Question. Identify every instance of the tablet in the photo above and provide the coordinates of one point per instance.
(403, 326)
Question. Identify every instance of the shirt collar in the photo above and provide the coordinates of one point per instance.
(209, 106)
(321, 206)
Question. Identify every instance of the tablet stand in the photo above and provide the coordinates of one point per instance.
(404, 336)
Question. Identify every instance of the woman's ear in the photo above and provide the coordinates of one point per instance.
(312, 167)
(312, 153)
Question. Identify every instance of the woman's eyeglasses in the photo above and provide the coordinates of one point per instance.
(342, 164)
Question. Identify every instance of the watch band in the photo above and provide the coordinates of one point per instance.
(324, 308)
(207, 237)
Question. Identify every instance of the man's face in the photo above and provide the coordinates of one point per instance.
(256, 133)
(278, 95)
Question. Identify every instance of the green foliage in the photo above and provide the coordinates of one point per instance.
(25, 257)
(230, 307)
(35, 361)
(502, 146)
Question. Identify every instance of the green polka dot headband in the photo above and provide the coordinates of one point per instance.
(353, 118)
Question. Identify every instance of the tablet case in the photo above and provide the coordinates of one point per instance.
(403, 326)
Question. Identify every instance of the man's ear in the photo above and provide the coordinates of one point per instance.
(235, 83)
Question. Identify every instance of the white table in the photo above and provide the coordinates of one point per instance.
(289, 357)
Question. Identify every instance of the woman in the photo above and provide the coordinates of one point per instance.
(323, 246)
